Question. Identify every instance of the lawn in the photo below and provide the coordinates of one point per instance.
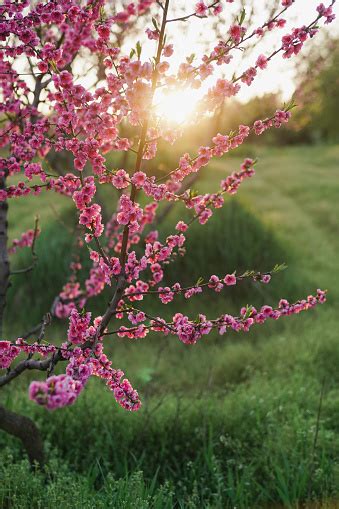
(234, 421)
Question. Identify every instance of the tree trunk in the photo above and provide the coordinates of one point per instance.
(17, 425)
(23, 428)
(4, 262)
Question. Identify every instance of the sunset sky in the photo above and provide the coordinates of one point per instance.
(197, 35)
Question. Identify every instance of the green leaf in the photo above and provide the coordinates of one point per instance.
(139, 49)
(248, 312)
(248, 273)
(102, 13)
(242, 17)
(53, 65)
(192, 193)
(289, 105)
(279, 268)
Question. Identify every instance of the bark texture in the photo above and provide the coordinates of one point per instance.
(4, 262)
(17, 425)
(23, 428)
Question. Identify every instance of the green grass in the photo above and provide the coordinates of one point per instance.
(231, 421)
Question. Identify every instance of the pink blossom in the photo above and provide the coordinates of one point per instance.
(78, 327)
(181, 226)
(153, 35)
(26, 240)
(261, 62)
(230, 280)
(162, 67)
(217, 9)
(201, 9)
(139, 179)
(120, 179)
(8, 353)
(237, 32)
(168, 50)
(58, 391)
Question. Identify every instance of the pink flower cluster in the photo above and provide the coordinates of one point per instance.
(26, 240)
(8, 353)
(237, 32)
(56, 392)
(133, 9)
(79, 329)
(35, 348)
(84, 196)
(91, 218)
(281, 117)
(166, 294)
(251, 316)
(231, 184)
(130, 213)
(71, 293)
(326, 12)
(125, 395)
(189, 332)
(202, 9)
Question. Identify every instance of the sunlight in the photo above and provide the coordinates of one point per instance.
(177, 106)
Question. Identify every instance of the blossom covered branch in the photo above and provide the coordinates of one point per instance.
(46, 111)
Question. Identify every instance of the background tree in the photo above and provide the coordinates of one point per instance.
(317, 88)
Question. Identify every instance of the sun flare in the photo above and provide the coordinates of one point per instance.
(177, 107)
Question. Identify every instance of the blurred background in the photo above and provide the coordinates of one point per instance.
(236, 421)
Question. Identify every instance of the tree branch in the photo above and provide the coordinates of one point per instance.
(23, 428)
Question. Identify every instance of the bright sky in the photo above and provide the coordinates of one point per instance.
(197, 35)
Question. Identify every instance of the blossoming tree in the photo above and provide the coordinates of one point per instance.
(45, 111)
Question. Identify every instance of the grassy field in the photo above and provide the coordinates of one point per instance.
(239, 421)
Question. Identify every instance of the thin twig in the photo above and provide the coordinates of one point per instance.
(34, 254)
